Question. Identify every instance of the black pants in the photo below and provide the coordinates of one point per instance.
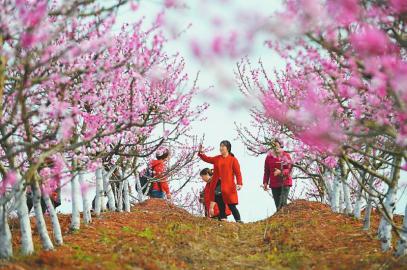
(222, 209)
(280, 196)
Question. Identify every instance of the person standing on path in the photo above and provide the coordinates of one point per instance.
(277, 174)
(223, 188)
(160, 189)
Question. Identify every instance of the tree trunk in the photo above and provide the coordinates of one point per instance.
(87, 218)
(6, 247)
(132, 188)
(402, 242)
(27, 245)
(341, 208)
(138, 185)
(126, 195)
(385, 227)
(120, 197)
(368, 213)
(336, 191)
(358, 203)
(384, 232)
(75, 217)
(109, 192)
(368, 209)
(346, 197)
(328, 187)
(39, 217)
(103, 193)
(99, 191)
(56, 228)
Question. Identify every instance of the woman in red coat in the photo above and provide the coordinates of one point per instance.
(277, 174)
(223, 188)
(160, 189)
(206, 175)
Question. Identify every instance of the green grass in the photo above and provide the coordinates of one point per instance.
(147, 234)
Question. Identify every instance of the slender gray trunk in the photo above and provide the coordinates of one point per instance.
(99, 192)
(75, 216)
(328, 187)
(39, 217)
(346, 197)
(358, 203)
(87, 218)
(126, 195)
(27, 245)
(103, 196)
(335, 194)
(385, 226)
(369, 202)
(384, 232)
(120, 197)
(341, 208)
(108, 189)
(402, 242)
(368, 213)
(138, 185)
(132, 188)
(56, 228)
(6, 247)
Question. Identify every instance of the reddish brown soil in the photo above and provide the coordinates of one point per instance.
(157, 235)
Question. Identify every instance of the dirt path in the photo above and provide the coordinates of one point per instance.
(156, 235)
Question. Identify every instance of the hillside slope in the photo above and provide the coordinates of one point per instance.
(157, 235)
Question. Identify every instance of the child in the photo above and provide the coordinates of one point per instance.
(206, 175)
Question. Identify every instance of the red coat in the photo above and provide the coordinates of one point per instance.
(159, 169)
(207, 203)
(225, 168)
(283, 162)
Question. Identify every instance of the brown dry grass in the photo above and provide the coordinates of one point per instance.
(157, 235)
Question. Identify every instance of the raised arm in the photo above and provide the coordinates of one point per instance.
(207, 159)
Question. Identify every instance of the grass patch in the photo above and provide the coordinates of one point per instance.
(81, 255)
(147, 233)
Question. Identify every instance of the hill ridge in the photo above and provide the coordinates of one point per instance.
(159, 235)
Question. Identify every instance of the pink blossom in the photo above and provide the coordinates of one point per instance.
(344, 11)
(134, 6)
(32, 18)
(159, 21)
(196, 49)
(331, 161)
(185, 121)
(67, 128)
(9, 181)
(27, 40)
(400, 6)
(170, 3)
(217, 44)
(370, 41)
(11, 178)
